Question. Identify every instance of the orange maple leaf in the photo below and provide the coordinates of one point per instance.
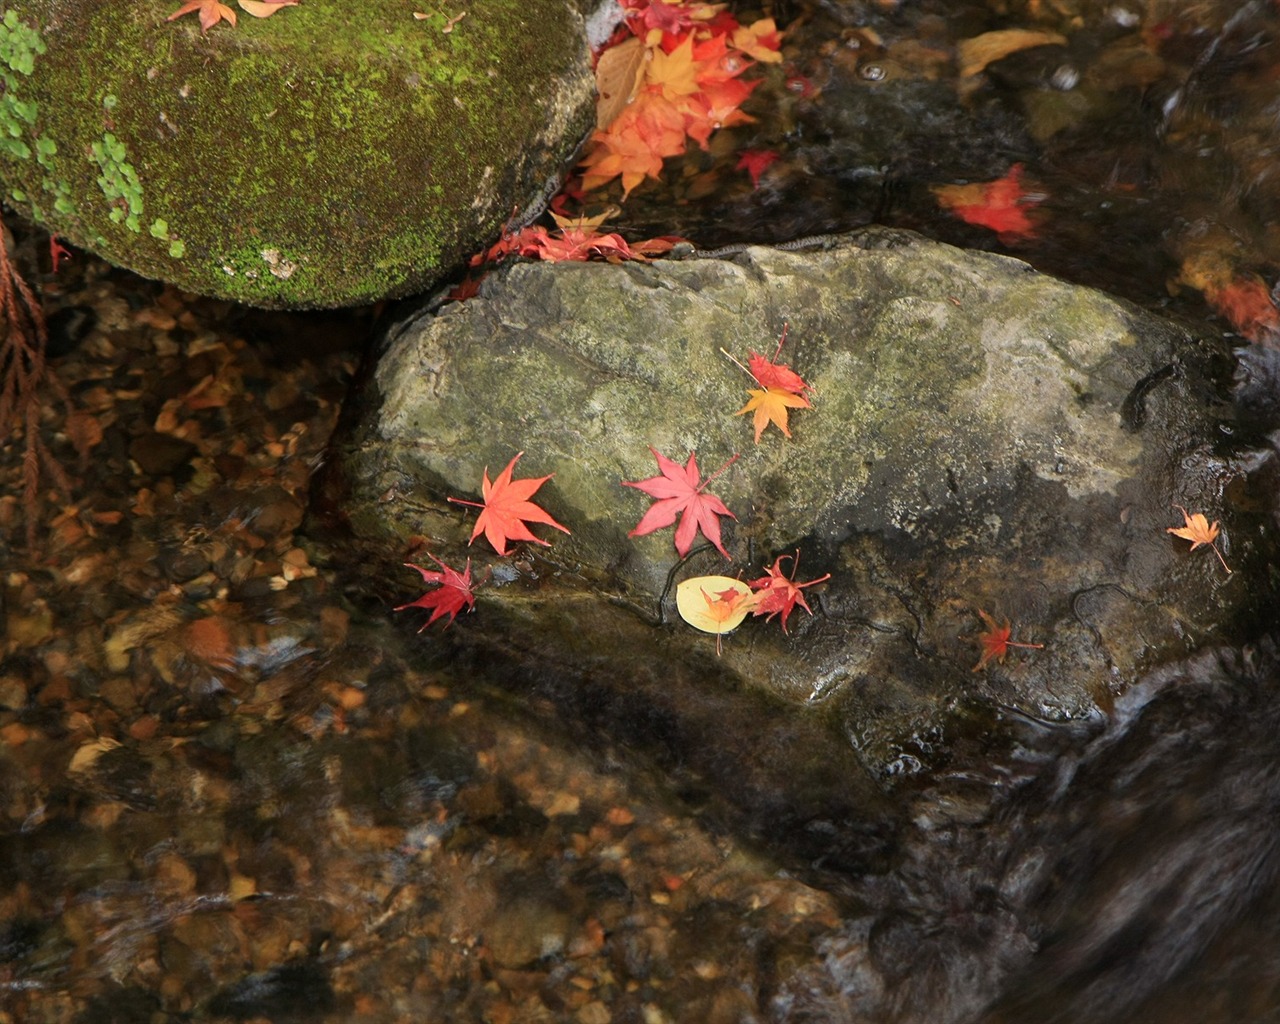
(1199, 531)
(453, 594)
(507, 508)
(770, 406)
(995, 641)
(635, 145)
(778, 593)
(761, 40)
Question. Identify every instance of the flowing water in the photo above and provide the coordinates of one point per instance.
(231, 790)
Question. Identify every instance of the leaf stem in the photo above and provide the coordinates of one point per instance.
(707, 481)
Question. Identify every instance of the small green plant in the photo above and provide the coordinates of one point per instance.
(19, 47)
(118, 181)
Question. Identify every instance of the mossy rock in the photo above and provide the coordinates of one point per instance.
(330, 155)
(982, 437)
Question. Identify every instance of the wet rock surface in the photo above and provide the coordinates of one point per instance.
(982, 437)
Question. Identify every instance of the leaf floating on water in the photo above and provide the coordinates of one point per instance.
(976, 53)
(619, 72)
(453, 595)
(995, 641)
(1002, 205)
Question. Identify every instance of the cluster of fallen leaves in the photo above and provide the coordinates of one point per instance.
(211, 11)
(671, 74)
(573, 239)
(681, 498)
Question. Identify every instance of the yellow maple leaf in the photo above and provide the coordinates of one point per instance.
(770, 405)
(760, 40)
(1199, 531)
(675, 73)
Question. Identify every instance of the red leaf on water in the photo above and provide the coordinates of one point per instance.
(679, 490)
(1001, 205)
(995, 641)
(1246, 302)
(755, 162)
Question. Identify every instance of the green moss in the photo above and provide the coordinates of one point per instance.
(19, 47)
(372, 148)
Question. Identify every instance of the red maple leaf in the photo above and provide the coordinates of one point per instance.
(769, 373)
(453, 594)
(643, 15)
(995, 641)
(1000, 205)
(507, 508)
(680, 490)
(778, 593)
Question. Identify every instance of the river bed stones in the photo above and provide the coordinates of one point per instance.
(982, 438)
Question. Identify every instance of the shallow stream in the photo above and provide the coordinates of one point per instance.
(234, 787)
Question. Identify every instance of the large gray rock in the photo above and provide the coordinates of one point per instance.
(982, 437)
(330, 155)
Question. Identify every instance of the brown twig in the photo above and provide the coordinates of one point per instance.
(23, 373)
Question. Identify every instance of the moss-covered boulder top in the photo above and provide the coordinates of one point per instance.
(982, 437)
(333, 154)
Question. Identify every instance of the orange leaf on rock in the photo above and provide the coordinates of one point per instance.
(679, 491)
(507, 508)
(454, 593)
(770, 405)
(995, 641)
(1199, 531)
(210, 11)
